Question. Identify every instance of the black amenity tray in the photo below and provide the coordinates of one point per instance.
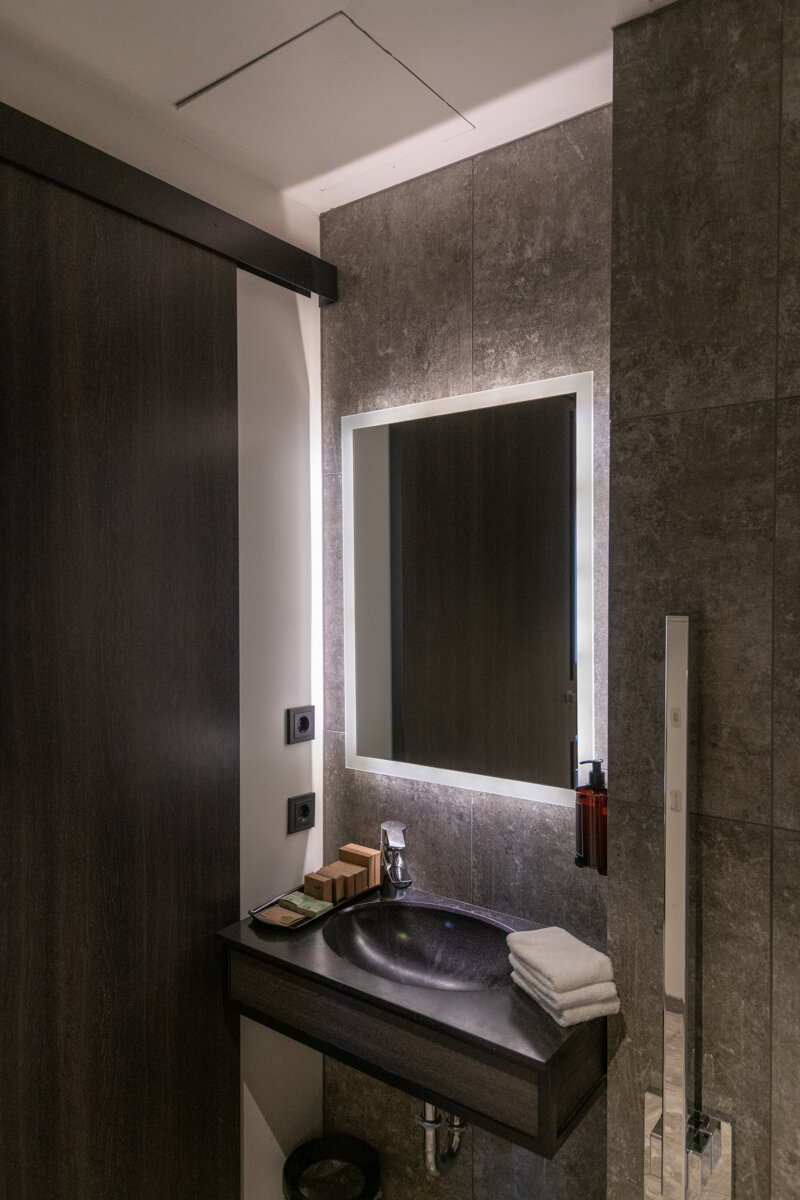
(254, 912)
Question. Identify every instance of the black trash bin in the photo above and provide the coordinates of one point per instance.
(332, 1168)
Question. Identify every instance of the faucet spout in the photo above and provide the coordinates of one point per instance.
(396, 879)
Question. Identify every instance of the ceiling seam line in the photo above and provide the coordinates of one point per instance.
(405, 67)
(209, 87)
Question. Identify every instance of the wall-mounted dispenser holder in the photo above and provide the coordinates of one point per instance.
(688, 1155)
(591, 819)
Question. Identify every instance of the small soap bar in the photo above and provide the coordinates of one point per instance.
(354, 877)
(309, 906)
(318, 886)
(335, 872)
(363, 856)
(359, 877)
(279, 916)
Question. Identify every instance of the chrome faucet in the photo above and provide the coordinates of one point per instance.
(393, 843)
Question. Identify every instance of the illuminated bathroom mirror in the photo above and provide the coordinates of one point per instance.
(468, 589)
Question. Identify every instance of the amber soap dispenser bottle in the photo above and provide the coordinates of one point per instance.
(591, 819)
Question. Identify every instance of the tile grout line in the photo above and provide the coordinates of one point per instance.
(709, 815)
(778, 232)
(617, 421)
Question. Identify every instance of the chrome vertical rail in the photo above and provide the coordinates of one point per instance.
(676, 757)
(688, 1155)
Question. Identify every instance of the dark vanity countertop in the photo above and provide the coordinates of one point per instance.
(504, 1019)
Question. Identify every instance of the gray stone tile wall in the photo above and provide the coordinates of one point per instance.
(525, 864)
(402, 328)
(493, 271)
(541, 245)
(730, 920)
(503, 1171)
(787, 616)
(334, 602)
(692, 514)
(635, 922)
(388, 1120)
(789, 309)
(696, 106)
(705, 509)
(786, 1016)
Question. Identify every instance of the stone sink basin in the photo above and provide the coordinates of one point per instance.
(416, 992)
(423, 945)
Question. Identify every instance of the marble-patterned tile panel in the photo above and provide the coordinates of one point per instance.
(731, 886)
(523, 863)
(691, 531)
(438, 824)
(786, 806)
(401, 330)
(337, 820)
(694, 262)
(388, 1119)
(789, 262)
(786, 1017)
(635, 926)
(542, 255)
(504, 1171)
(333, 602)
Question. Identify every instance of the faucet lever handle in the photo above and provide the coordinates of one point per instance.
(392, 835)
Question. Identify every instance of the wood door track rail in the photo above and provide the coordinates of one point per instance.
(36, 147)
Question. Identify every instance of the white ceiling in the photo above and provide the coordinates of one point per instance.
(336, 103)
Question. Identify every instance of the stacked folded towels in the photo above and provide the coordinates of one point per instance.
(571, 981)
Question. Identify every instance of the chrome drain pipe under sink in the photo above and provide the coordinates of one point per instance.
(438, 1162)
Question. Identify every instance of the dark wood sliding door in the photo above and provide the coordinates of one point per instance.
(119, 821)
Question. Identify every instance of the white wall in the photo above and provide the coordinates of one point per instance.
(281, 1080)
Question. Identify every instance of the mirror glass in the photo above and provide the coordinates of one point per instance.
(468, 589)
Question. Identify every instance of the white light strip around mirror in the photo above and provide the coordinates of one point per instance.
(581, 386)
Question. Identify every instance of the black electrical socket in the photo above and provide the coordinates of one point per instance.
(300, 724)
(301, 813)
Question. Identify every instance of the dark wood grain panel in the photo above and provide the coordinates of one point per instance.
(427, 1062)
(119, 839)
(577, 1074)
(39, 148)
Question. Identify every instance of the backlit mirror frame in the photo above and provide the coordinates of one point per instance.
(581, 386)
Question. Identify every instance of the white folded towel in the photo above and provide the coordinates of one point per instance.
(558, 961)
(570, 1016)
(593, 993)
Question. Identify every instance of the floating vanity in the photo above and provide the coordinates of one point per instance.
(417, 992)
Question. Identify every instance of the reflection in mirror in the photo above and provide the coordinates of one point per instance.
(468, 589)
